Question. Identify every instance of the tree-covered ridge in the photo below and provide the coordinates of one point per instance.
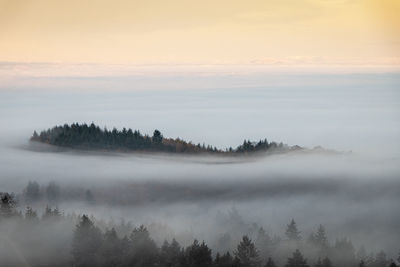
(91, 136)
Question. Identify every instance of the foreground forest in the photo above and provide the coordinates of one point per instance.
(83, 136)
(57, 239)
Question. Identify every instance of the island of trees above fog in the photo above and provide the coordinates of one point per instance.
(83, 136)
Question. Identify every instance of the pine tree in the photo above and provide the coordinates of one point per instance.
(291, 231)
(52, 192)
(32, 191)
(35, 136)
(343, 253)
(157, 137)
(247, 253)
(170, 254)
(111, 250)
(225, 260)
(320, 241)
(198, 255)
(320, 237)
(143, 250)
(297, 260)
(264, 243)
(86, 242)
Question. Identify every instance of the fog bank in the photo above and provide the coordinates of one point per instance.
(353, 194)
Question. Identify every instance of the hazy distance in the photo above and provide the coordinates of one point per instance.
(353, 194)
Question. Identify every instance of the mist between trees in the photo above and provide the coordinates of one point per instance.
(54, 238)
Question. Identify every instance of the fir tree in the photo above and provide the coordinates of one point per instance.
(86, 242)
(247, 253)
(198, 255)
(297, 260)
(291, 231)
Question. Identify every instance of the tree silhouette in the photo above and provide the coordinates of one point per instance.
(226, 260)
(86, 242)
(157, 137)
(343, 253)
(319, 241)
(264, 243)
(143, 250)
(52, 192)
(291, 231)
(247, 253)
(171, 254)
(198, 255)
(297, 260)
(111, 250)
(32, 191)
(320, 237)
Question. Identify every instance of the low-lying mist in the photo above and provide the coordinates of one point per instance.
(354, 193)
(350, 195)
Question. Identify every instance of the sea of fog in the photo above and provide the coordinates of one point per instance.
(355, 193)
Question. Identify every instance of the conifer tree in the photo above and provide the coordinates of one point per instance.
(291, 231)
(170, 254)
(52, 192)
(320, 237)
(247, 253)
(198, 255)
(86, 242)
(143, 250)
(264, 243)
(32, 191)
(297, 260)
(111, 251)
(226, 260)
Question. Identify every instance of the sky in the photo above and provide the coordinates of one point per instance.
(274, 32)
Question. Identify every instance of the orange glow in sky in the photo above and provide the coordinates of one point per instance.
(201, 32)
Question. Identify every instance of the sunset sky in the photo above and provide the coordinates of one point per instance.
(201, 32)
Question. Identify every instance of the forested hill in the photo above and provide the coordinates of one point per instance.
(92, 137)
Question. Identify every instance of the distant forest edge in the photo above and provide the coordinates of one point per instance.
(92, 137)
